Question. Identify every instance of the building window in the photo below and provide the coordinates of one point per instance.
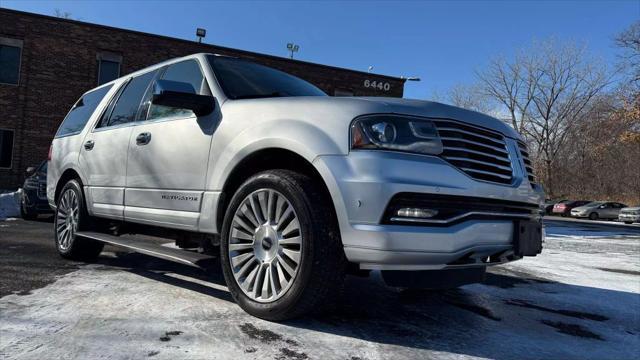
(6, 148)
(108, 67)
(10, 53)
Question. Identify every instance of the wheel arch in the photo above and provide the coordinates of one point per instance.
(67, 175)
(262, 160)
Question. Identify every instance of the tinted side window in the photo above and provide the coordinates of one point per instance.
(185, 71)
(128, 103)
(77, 118)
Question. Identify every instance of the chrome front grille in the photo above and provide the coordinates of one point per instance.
(482, 154)
(527, 162)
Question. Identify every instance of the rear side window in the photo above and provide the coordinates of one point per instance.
(128, 103)
(187, 72)
(80, 113)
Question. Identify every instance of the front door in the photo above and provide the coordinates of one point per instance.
(168, 155)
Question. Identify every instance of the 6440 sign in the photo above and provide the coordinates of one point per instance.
(384, 86)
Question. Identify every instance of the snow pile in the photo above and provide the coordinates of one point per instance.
(10, 204)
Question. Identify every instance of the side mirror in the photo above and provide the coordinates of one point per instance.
(30, 170)
(183, 96)
(601, 207)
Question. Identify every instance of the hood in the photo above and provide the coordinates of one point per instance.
(345, 109)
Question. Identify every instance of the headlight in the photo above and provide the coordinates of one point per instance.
(394, 132)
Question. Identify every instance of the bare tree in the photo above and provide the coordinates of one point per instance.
(470, 97)
(629, 42)
(62, 14)
(545, 89)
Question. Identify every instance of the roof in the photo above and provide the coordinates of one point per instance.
(251, 53)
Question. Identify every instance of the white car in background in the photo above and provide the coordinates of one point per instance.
(291, 188)
(630, 215)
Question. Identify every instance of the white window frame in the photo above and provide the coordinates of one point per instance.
(13, 147)
(14, 43)
(108, 56)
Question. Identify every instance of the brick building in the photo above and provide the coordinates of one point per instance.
(46, 63)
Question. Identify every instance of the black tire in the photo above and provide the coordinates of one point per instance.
(318, 285)
(25, 212)
(628, 222)
(82, 249)
(593, 216)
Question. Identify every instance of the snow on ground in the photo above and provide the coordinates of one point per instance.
(10, 204)
(580, 299)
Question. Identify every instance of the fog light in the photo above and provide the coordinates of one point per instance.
(417, 213)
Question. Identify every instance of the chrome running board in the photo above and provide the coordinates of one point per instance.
(152, 248)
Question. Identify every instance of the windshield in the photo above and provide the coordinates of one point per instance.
(241, 79)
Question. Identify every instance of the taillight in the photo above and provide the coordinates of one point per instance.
(49, 156)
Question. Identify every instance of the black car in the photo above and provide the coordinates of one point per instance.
(34, 194)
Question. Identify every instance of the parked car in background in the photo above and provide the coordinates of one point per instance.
(549, 204)
(629, 215)
(34, 194)
(563, 208)
(598, 210)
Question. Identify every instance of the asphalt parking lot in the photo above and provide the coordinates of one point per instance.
(580, 299)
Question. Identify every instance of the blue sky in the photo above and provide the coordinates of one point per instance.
(440, 42)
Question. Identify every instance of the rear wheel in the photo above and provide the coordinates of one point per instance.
(281, 251)
(71, 216)
(593, 216)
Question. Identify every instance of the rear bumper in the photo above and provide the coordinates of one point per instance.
(362, 185)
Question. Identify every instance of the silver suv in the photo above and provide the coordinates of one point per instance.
(292, 188)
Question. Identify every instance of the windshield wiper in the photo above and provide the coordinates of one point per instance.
(259, 96)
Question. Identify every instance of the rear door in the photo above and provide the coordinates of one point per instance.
(104, 152)
(168, 155)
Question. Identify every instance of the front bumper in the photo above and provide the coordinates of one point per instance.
(579, 214)
(629, 217)
(362, 184)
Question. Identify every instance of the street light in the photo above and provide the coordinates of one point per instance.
(200, 33)
(292, 48)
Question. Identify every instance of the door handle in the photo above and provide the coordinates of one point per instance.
(143, 138)
(89, 145)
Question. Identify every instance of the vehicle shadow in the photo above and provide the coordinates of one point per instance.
(512, 315)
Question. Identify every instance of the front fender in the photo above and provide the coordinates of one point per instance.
(302, 138)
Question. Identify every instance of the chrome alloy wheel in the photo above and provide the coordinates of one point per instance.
(67, 215)
(265, 245)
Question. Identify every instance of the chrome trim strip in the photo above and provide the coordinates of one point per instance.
(506, 177)
(500, 142)
(462, 216)
(503, 149)
(453, 148)
(455, 158)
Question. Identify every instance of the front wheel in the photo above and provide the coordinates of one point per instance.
(628, 222)
(71, 216)
(593, 216)
(281, 251)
